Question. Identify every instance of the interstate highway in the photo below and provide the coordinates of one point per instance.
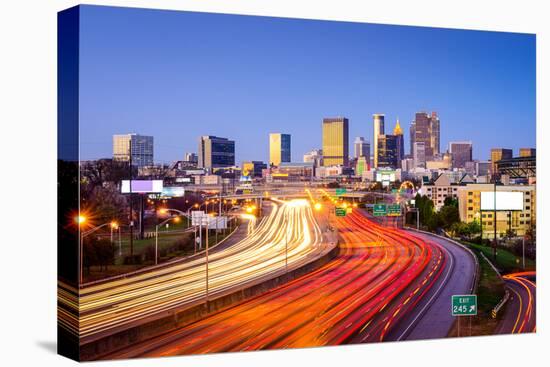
(384, 282)
(108, 307)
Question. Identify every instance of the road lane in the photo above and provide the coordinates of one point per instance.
(380, 275)
(520, 313)
(108, 307)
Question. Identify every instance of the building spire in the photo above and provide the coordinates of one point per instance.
(397, 130)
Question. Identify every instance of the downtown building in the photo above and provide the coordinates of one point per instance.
(215, 152)
(388, 151)
(519, 221)
(425, 129)
(378, 129)
(461, 152)
(141, 147)
(498, 154)
(279, 148)
(315, 156)
(253, 169)
(336, 141)
(398, 132)
(361, 148)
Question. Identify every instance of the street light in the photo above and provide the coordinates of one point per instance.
(81, 220)
(176, 219)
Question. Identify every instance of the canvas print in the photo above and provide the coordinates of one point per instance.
(240, 183)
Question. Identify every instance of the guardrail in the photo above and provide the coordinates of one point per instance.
(475, 282)
(496, 309)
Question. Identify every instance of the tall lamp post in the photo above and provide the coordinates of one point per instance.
(81, 220)
(176, 219)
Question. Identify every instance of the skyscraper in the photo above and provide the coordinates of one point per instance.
(388, 151)
(496, 155)
(142, 149)
(378, 123)
(361, 148)
(423, 133)
(279, 148)
(426, 129)
(335, 141)
(412, 133)
(461, 152)
(419, 155)
(435, 136)
(398, 132)
(215, 152)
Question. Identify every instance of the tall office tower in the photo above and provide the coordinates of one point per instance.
(388, 151)
(335, 141)
(398, 132)
(279, 148)
(142, 149)
(419, 155)
(461, 152)
(435, 136)
(527, 152)
(423, 133)
(496, 155)
(378, 122)
(412, 133)
(216, 152)
(361, 148)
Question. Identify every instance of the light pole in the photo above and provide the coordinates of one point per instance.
(81, 220)
(206, 261)
(157, 234)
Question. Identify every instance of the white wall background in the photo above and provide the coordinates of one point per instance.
(28, 151)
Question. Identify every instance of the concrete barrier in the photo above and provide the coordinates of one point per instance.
(100, 348)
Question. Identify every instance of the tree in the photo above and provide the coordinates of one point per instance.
(474, 227)
(98, 252)
(448, 216)
(449, 201)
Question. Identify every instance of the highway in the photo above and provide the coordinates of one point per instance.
(383, 280)
(520, 313)
(108, 307)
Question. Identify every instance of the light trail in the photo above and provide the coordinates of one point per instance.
(261, 255)
(524, 290)
(379, 276)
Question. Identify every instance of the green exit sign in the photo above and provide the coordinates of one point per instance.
(379, 210)
(340, 192)
(341, 212)
(464, 305)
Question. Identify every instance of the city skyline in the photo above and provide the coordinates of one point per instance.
(268, 87)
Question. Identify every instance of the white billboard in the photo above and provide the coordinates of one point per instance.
(385, 176)
(505, 200)
(142, 186)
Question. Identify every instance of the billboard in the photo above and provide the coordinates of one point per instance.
(385, 176)
(505, 200)
(173, 191)
(141, 186)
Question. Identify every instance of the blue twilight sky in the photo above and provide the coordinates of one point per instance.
(179, 75)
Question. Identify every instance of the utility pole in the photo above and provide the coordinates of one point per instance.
(131, 202)
(495, 221)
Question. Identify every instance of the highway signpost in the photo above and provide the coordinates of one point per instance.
(340, 212)
(394, 210)
(379, 210)
(464, 305)
(340, 191)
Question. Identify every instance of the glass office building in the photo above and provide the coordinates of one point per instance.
(335, 141)
(140, 145)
